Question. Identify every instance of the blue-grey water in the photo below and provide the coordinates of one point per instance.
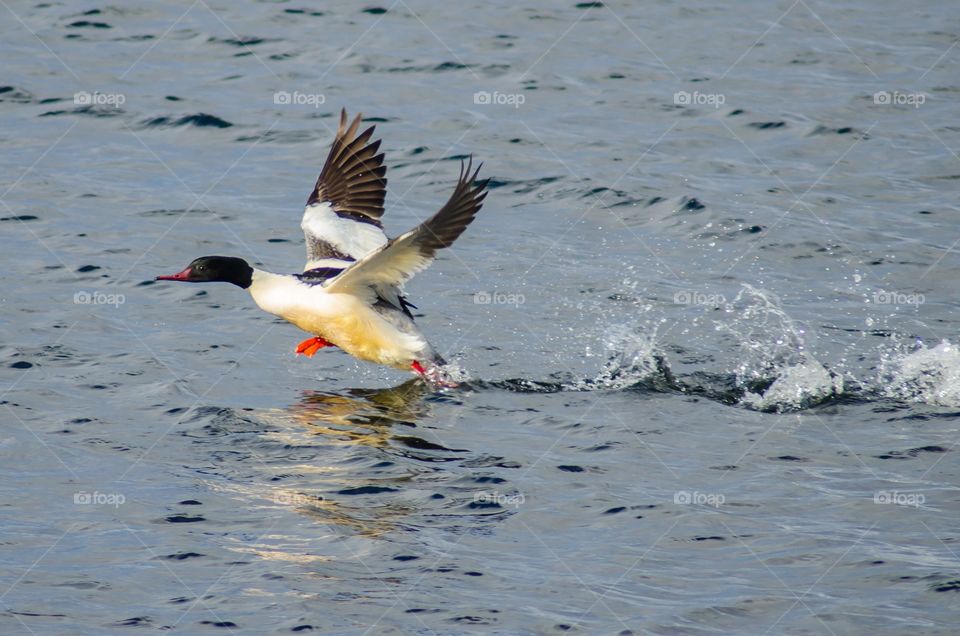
(707, 319)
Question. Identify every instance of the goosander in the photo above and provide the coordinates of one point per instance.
(350, 294)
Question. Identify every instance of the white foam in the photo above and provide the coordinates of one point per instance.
(634, 358)
(773, 347)
(928, 374)
(796, 387)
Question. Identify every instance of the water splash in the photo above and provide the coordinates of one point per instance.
(776, 370)
(448, 375)
(628, 348)
(767, 360)
(797, 387)
(632, 357)
(925, 374)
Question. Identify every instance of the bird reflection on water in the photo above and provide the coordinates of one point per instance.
(403, 404)
(343, 445)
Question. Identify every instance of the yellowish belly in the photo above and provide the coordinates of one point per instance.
(341, 319)
(362, 333)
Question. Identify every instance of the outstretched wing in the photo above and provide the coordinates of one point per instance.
(383, 272)
(341, 222)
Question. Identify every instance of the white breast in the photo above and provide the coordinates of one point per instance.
(283, 295)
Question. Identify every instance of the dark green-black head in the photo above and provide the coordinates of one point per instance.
(214, 269)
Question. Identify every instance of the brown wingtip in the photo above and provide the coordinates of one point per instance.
(443, 228)
(466, 177)
(353, 176)
(345, 132)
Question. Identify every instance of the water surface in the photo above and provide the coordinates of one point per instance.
(707, 318)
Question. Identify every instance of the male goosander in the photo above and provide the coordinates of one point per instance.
(350, 294)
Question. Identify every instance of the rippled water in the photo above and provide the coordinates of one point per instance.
(707, 321)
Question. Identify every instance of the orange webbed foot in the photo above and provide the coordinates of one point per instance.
(311, 345)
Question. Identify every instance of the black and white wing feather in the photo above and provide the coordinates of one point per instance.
(341, 222)
(382, 273)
